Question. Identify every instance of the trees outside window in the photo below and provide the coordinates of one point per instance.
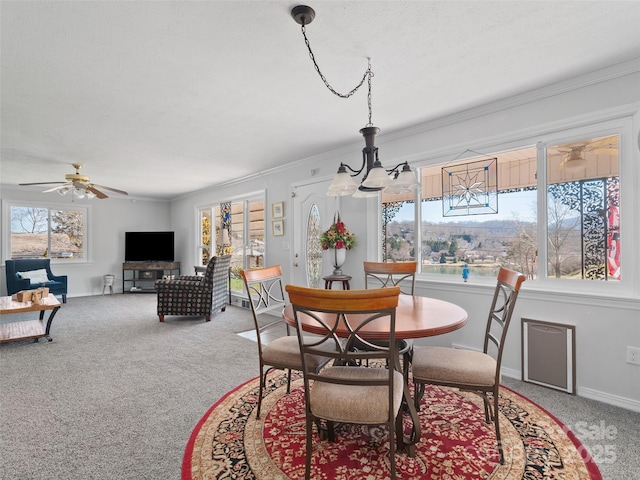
(582, 227)
(43, 232)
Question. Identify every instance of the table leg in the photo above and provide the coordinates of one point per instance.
(408, 444)
(51, 315)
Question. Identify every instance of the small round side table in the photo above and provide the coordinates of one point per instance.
(329, 279)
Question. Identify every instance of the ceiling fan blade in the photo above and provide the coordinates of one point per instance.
(122, 192)
(53, 189)
(605, 150)
(97, 192)
(42, 183)
(604, 142)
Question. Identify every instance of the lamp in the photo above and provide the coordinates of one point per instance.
(376, 177)
(78, 190)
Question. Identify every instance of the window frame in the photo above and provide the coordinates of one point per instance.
(6, 227)
(246, 200)
(628, 211)
(628, 285)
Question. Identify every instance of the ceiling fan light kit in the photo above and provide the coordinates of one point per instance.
(78, 185)
(575, 160)
(376, 178)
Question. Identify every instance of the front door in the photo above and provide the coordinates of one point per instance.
(312, 213)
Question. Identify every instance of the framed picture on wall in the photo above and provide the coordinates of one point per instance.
(277, 209)
(277, 228)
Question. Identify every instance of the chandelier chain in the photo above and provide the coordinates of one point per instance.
(367, 76)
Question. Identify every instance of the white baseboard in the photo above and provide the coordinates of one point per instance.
(604, 397)
(615, 400)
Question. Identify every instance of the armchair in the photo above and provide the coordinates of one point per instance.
(192, 295)
(57, 284)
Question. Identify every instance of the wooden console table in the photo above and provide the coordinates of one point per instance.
(22, 330)
(140, 277)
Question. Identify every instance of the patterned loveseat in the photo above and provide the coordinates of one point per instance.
(191, 295)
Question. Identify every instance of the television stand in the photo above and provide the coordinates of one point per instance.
(140, 277)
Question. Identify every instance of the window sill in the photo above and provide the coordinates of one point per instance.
(548, 291)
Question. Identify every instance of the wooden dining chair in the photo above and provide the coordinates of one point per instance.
(264, 288)
(469, 369)
(385, 274)
(344, 392)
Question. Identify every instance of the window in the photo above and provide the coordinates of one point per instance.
(236, 229)
(469, 220)
(583, 209)
(39, 231)
(498, 224)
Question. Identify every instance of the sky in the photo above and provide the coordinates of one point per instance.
(520, 205)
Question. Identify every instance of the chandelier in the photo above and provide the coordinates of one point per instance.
(399, 179)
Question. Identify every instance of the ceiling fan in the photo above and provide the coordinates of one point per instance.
(575, 152)
(78, 184)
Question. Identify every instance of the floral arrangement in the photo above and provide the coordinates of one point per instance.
(337, 236)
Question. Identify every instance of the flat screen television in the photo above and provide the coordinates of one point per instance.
(148, 246)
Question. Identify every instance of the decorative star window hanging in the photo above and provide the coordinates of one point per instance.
(470, 188)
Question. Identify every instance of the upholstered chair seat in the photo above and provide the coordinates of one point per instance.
(286, 351)
(344, 403)
(441, 364)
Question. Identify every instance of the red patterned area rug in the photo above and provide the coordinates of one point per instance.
(230, 443)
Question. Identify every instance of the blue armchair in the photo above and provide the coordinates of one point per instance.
(57, 284)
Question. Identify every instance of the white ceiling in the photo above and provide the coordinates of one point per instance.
(163, 98)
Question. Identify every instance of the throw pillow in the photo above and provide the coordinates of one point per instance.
(35, 276)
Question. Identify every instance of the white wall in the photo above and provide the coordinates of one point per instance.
(604, 326)
(109, 219)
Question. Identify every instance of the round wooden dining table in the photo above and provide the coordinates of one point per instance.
(416, 317)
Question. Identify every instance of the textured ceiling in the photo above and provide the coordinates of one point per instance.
(163, 98)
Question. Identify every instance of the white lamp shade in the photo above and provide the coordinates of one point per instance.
(343, 184)
(377, 178)
(406, 179)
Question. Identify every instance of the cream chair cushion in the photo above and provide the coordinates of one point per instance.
(286, 351)
(355, 403)
(450, 365)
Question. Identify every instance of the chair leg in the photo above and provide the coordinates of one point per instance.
(496, 398)
(418, 393)
(288, 381)
(207, 318)
(64, 298)
(263, 382)
(161, 318)
(487, 408)
(309, 447)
